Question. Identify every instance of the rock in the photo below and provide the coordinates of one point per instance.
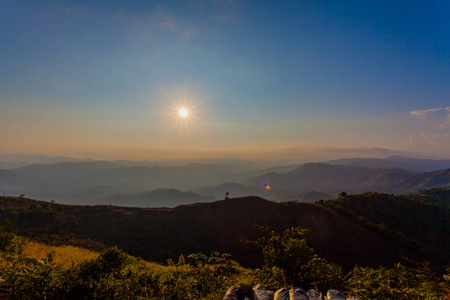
(297, 294)
(281, 294)
(335, 295)
(234, 293)
(315, 295)
(260, 292)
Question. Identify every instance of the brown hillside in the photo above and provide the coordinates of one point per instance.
(219, 226)
(438, 178)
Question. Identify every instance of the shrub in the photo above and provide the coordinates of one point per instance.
(290, 261)
(9, 241)
(399, 282)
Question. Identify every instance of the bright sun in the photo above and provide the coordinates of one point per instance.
(183, 112)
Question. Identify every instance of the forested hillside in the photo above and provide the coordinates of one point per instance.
(344, 231)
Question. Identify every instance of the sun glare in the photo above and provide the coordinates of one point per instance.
(183, 112)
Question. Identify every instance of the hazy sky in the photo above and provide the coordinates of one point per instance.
(306, 80)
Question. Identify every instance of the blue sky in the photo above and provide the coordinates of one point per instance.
(284, 80)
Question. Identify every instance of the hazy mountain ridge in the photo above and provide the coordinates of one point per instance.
(428, 180)
(233, 188)
(9, 161)
(242, 190)
(332, 178)
(86, 181)
(6, 165)
(11, 182)
(395, 162)
(155, 198)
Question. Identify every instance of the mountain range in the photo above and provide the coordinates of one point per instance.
(142, 183)
(395, 162)
(155, 198)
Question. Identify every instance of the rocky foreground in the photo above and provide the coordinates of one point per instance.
(261, 293)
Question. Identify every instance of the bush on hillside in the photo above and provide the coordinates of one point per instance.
(290, 261)
(115, 275)
(400, 283)
(10, 242)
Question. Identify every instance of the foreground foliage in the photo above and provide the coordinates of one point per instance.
(399, 282)
(112, 274)
(29, 270)
(418, 222)
(290, 261)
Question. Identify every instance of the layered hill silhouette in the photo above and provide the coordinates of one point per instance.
(90, 182)
(261, 190)
(155, 198)
(439, 178)
(334, 178)
(12, 161)
(158, 234)
(83, 182)
(331, 178)
(395, 162)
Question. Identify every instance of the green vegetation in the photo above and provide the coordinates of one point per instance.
(400, 282)
(9, 241)
(113, 274)
(42, 265)
(290, 261)
(403, 227)
(436, 196)
(418, 222)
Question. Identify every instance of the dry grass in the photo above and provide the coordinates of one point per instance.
(64, 256)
